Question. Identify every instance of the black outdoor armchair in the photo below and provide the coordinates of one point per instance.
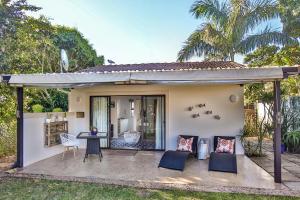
(223, 162)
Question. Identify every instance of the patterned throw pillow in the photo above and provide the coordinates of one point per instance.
(225, 146)
(185, 144)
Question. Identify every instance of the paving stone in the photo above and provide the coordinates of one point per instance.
(287, 164)
(288, 177)
(293, 169)
(294, 160)
(293, 185)
(271, 169)
(290, 164)
(298, 175)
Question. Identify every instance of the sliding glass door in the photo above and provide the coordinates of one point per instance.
(139, 121)
(153, 122)
(100, 118)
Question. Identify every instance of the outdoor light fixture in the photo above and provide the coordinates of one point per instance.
(234, 98)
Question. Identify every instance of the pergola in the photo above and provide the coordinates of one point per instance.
(172, 77)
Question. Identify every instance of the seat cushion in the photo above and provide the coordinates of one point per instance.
(223, 162)
(174, 160)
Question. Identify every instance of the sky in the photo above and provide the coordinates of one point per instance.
(128, 31)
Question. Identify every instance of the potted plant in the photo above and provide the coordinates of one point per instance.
(283, 147)
(94, 131)
(292, 141)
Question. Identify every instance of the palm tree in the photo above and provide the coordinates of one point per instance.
(229, 27)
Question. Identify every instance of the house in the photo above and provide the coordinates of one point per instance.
(147, 105)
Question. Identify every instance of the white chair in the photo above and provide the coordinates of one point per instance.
(68, 140)
(132, 137)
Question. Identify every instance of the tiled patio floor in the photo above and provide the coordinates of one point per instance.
(142, 167)
(290, 165)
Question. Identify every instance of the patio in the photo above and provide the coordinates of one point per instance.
(141, 167)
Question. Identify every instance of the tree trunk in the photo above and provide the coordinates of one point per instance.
(232, 56)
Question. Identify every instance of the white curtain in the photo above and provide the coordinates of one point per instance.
(137, 113)
(158, 125)
(100, 117)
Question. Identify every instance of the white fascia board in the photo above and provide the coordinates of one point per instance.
(227, 75)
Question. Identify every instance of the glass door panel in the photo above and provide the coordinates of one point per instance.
(100, 118)
(153, 116)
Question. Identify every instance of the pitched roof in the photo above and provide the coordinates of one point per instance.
(166, 66)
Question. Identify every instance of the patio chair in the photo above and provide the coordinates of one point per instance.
(223, 162)
(69, 141)
(176, 159)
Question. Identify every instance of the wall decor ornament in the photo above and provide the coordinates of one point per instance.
(196, 115)
(201, 105)
(208, 112)
(190, 108)
(217, 117)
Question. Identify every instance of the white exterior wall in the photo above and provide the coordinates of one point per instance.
(178, 98)
(34, 139)
(178, 119)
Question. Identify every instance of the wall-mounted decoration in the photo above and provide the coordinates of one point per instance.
(79, 114)
(190, 108)
(201, 105)
(196, 115)
(217, 117)
(233, 98)
(208, 112)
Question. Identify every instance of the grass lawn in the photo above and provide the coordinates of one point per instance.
(14, 188)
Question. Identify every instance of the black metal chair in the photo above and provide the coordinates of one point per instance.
(176, 159)
(223, 162)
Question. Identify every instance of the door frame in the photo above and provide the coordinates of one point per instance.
(108, 117)
(163, 120)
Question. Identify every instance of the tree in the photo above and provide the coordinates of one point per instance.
(31, 45)
(12, 13)
(274, 56)
(31, 48)
(35, 48)
(261, 57)
(229, 26)
(81, 53)
(290, 16)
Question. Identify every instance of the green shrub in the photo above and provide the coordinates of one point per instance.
(7, 138)
(37, 108)
(57, 110)
(292, 141)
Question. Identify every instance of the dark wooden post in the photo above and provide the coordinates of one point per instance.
(20, 106)
(277, 133)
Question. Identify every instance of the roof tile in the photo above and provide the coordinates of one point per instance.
(166, 66)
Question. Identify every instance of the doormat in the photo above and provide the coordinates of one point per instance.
(121, 152)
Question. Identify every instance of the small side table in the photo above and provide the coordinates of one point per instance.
(92, 144)
(203, 148)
